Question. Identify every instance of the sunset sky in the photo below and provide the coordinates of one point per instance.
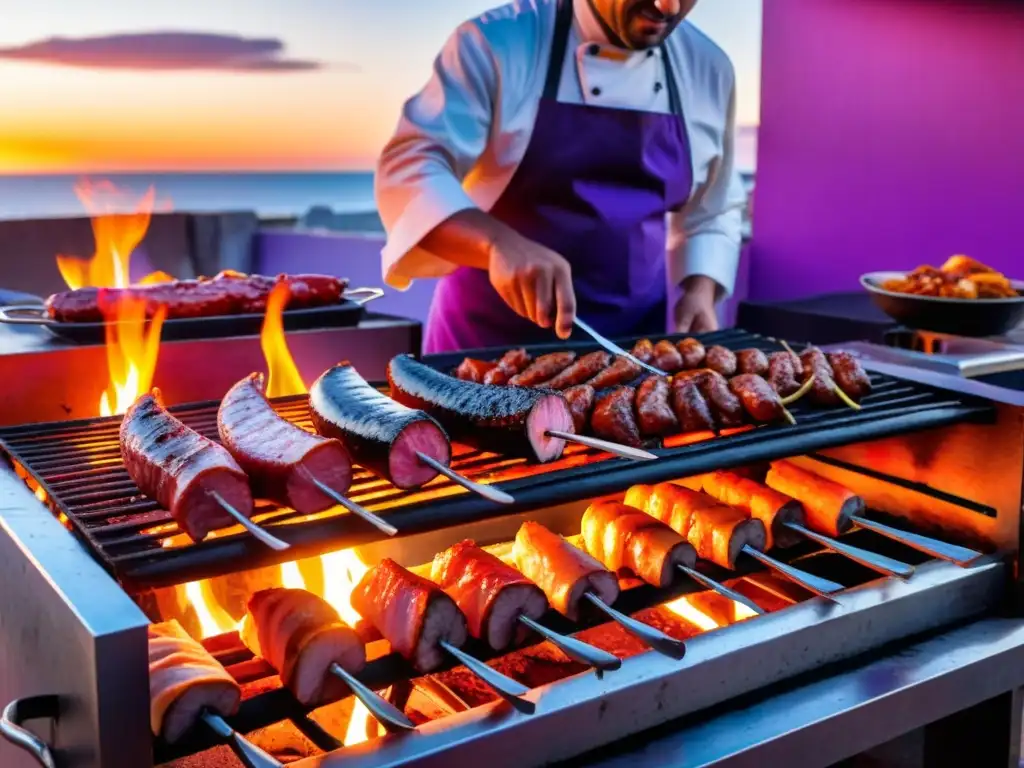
(260, 85)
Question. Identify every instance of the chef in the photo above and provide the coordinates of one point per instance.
(566, 157)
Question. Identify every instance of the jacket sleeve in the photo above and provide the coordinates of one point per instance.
(441, 134)
(704, 237)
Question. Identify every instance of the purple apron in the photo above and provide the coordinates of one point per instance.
(594, 186)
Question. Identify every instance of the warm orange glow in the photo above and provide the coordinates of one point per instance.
(283, 377)
(41, 493)
(213, 620)
(291, 577)
(132, 350)
(342, 571)
(691, 608)
(361, 724)
(685, 609)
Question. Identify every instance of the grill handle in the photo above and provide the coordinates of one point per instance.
(30, 708)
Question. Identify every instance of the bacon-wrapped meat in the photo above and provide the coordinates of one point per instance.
(772, 508)
(828, 505)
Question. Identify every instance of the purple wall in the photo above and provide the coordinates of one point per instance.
(892, 134)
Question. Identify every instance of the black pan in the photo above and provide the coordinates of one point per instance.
(959, 317)
(345, 314)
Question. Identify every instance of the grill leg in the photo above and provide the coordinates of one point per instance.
(988, 734)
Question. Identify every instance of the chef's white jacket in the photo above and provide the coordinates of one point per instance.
(461, 138)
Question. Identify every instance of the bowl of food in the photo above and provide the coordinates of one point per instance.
(962, 297)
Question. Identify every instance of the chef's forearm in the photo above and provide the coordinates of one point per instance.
(466, 238)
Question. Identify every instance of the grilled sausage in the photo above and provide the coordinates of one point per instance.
(752, 361)
(850, 375)
(581, 403)
(581, 371)
(823, 391)
(180, 468)
(654, 408)
(762, 503)
(543, 368)
(491, 595)
(184, 680)
(506, 420)
(627, 539)
(511, 363)
(281, 459)
(829, 506)
(563, 571)
(474, 370)
(613, 417)
(381, 434)
(412, 613)
(693, 353)
(690, 407)
(643, 350)
(300, 635)
(726, 407)
(721, 360)
(784, 373)
(666, 357)
(759, 400)
(717, 532)
(621, 371)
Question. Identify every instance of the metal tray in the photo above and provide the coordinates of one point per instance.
(345, 314)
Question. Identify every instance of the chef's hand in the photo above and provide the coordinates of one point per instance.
(695, 310)
(534, 281)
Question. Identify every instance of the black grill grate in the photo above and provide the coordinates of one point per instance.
(78, 465)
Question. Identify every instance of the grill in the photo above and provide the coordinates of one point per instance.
(79, 467)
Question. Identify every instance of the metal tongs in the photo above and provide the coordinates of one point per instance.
(614, 348)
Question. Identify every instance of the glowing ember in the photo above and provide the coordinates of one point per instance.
(283, 376)
(686, 610)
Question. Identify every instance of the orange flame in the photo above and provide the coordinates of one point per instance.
(132, 351)
(283, 377)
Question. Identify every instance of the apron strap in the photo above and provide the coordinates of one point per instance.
(560, 43)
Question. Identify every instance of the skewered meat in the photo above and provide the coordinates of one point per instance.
(752, 361)
(181, 469)
(722, 360)
(693, 353)
(563, 571)
(621, 371)
(184, 679)
(280, 458)
(823, 391)
(850, 375)
(581, 371)
(725, 406)
(228, 293)
(300, 635)
(759, 400)
(412, 613)
(511, 363)
(613, 417)
(643, 350)
(667, 358)
(638, 496)
(581, 403)
(381, 435)
(829, 506)
(718, 532)
(654, 408)
(543, 368)
(690, 407)
(474, 370)
(491, 595)
(506, 420)
(785, 372)
(624, 538)
(762, 503)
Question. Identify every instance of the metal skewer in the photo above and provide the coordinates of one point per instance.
(656, 639)
(509, 690)
(250, 755)
(386, 713)
(617, 449)
(575, 649)
(962, 556)
(721, 589)
(880, 563)
(354, 508)
(489, 493)
(819, 586)
(614, 348)
(265, 538)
